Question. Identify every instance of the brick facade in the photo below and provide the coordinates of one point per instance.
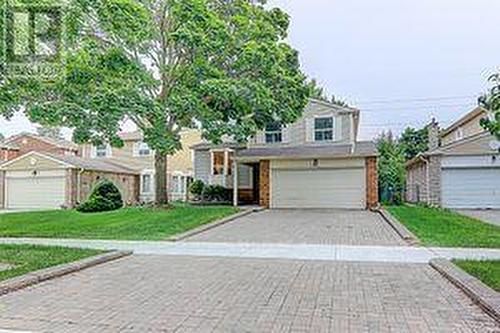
(28, 143)
(128, 184)
(264, 179)
(371, 182)
(423, 181)
(8, 154)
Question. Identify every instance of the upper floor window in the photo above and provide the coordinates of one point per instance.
(143, 149)
(459, 134)
(274, 133)
(323, 129)
(101, 151)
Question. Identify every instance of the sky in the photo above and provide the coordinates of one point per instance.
(400, 62)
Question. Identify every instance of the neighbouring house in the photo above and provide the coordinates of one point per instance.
(40, 180)
(315, 162)
(28, 142)
(137, 155)
(8, 151)
(461, 169)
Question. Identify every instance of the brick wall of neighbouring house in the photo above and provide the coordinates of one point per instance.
(371, 182)
(2, 191)
(7, 155)
(416, 182)
(265, 190)
(27, 144)
(127, 184)
(435, 180)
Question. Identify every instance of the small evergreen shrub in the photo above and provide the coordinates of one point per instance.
(105, 197)
(216, 193)
(197, 187)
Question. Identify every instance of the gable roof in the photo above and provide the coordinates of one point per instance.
(466, 118)
(59, 143)
(8, 146)
(77, 163)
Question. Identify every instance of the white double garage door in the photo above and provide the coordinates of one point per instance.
(471, 182)
(43, 190)
(329, 185)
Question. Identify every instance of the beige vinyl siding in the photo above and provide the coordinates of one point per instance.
(468, 129)
(33, 162)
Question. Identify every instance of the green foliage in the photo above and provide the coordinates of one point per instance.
(196, 188)
(167, 65)
(105, 197)
(491, 102)
(317, 92)
(488, 271)
(414, 141)
(391, 169)
(216, 193)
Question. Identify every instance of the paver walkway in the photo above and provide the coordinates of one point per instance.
(347, 227)
(396, 254)
(188, 294)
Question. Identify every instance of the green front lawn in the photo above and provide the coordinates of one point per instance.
(486, 271)
(441, 227)
(29, 258)
(124, 224)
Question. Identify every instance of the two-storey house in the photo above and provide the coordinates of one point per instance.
(137, 155)
(23, 143)
(315, 162)
(461, 169)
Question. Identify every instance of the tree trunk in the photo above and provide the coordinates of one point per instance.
(161, 163)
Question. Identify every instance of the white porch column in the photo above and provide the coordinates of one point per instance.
(235, 183)
(226, 168)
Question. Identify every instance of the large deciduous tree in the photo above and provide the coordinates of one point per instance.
(491, 102)
(414, 141)
(221, 65)
(391, 168)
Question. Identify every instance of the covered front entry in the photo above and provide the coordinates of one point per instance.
(319, 188)
(27, 190)
(471, 188)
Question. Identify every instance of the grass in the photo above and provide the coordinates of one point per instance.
(486, 271)
(124, 224)
(442, 227)
(29, 258)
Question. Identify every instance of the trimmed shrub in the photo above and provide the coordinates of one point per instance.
(105, 197)
(216, 193)
(197, 187)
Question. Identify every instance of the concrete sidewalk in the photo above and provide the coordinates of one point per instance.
(346, 253)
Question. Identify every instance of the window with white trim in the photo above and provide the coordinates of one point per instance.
(146, 183)
(101, 151)
(274, 133)
(177, 185)
(143, 149)
(324, 129)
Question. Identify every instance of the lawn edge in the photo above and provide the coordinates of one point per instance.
(36, 277)
(481, 294)
(213, 225)
(409, 237)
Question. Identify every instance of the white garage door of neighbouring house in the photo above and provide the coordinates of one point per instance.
(471, 188)
(35, 192)
(319, 188)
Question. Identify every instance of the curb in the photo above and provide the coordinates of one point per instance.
(400, 229)
(213, 225)
(482, 295)
(50, 273)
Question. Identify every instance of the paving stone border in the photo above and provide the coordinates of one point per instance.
(213, 225)
(50, 273)
(482, 295)
(400, 229)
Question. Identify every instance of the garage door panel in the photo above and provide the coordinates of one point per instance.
(471, 188)
(318, 188)
(35, 192)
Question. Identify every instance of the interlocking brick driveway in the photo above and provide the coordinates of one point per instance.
(349, 227)
(187, 294)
